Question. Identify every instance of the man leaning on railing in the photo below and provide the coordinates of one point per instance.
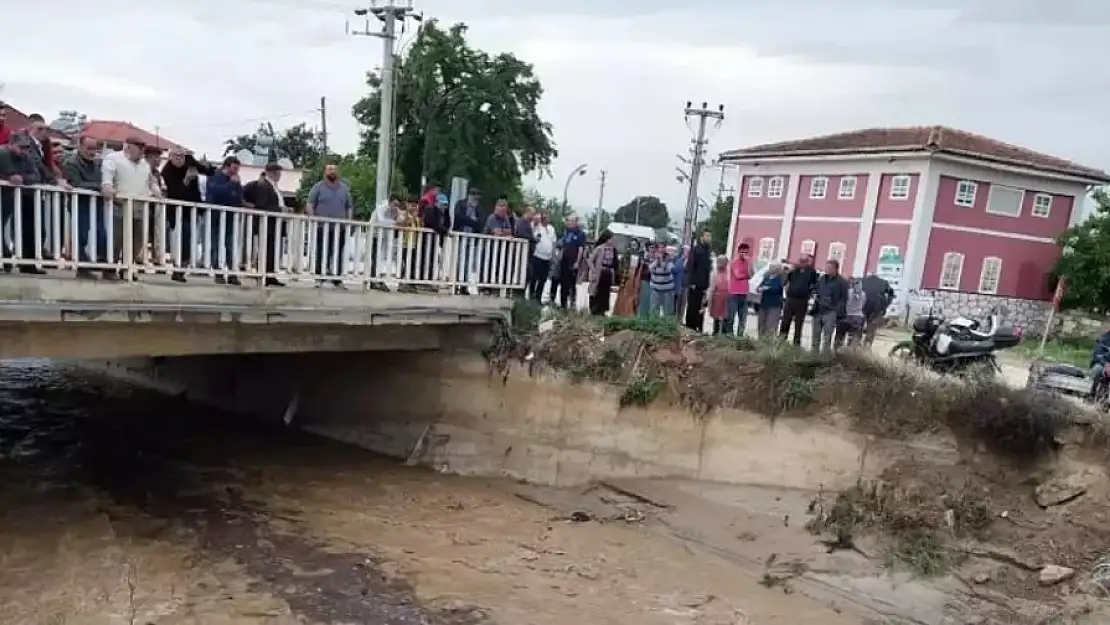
(126, 175)
(18, 167)
(263, 194)
(181, 175)
(224, 189)
(82, 170)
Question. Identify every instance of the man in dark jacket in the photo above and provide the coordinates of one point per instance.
(82, 170)
(467, 220)
(574, 249)
(19, 167)
(181, 175)
(263, 194)
(224, 189)
(697, 277)
(828, 307)
(800, 284)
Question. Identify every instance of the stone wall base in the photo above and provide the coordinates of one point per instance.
(1029, 315)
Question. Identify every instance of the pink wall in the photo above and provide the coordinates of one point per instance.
(824, 233)
(763, 205)
(947, 212)
(886, 234)
(831, 205)
(1025, 264)
(756, 229)
(887, 208)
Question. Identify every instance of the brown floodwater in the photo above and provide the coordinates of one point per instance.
(118, 505)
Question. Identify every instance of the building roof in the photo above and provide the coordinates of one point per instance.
(18, 120)
(930, 139)
(108, 131)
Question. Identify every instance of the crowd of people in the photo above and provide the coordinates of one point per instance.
(693, 284)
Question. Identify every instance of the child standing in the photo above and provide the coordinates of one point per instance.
(717, 297)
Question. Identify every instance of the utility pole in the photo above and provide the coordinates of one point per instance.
(704, 114)
(600, 203)
(389, 13)
(638, 198)
(324, 126)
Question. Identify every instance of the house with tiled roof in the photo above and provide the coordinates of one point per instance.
(970, 219)
(112, 134)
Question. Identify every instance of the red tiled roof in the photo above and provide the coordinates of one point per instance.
(117, 132)
(931, 139)
(18, 120)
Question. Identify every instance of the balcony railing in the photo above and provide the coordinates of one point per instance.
(48, 228)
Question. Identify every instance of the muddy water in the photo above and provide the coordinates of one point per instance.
(120, 506)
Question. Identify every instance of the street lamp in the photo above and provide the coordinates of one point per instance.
(577, 171)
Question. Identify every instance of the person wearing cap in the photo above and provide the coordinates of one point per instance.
(223, 188)
(263, 194)
(126, 175)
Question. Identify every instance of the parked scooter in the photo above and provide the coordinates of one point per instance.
(957, 346)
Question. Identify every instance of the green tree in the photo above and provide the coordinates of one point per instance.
(1085, 262)
(300, 144)
(462, 112)
(718, 223)
(359, 172)
(652, 212)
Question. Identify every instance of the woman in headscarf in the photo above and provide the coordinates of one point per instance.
(629, 291)
(603, 273)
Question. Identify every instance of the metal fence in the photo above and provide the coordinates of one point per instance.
(48, 228)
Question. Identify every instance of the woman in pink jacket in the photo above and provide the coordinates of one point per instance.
(740, 270)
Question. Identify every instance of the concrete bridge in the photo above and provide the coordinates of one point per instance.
(238, 307)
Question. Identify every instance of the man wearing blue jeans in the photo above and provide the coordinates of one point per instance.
(82, 170)
(740, 271)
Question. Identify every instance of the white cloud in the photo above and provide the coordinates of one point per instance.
(616, 77)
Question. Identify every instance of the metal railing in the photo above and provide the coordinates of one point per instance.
(50, 228)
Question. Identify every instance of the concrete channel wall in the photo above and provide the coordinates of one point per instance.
(446, 410)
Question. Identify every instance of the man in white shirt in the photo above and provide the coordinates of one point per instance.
(127, 175)
(543, 233)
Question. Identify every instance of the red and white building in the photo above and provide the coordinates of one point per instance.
(955, 212)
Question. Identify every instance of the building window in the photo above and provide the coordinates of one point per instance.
(888, 250)
(775, 186)
(1042, 205)
(836, 251)
(951, 270)
(766, 249)
(818, 187)
(847, 190)
(755, 187)
(988, 277)
(900, 187)
(809, 247)
(965, 193)
(1005, 201)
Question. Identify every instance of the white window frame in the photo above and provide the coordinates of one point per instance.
(766, 249)
(1020, 202)
(1036, 203)
(965, 193)
(846, 191)
(903, 182)
(883, 250)
(988, 262)
(837, 250)
(955, 284)
(809, 247)
(818, 183)
(775, 186)
(755, 187)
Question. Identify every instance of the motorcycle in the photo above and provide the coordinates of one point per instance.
(958, 346)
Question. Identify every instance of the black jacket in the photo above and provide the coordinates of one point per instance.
(832, 295)
(436, 218)
(262, 194)
(463, 221)
(174, 179)
(699, 267)
(801, 282)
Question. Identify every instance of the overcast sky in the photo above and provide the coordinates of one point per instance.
(1031, 72)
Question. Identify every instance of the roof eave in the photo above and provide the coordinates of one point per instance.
(749, 155)
(1090, 176)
